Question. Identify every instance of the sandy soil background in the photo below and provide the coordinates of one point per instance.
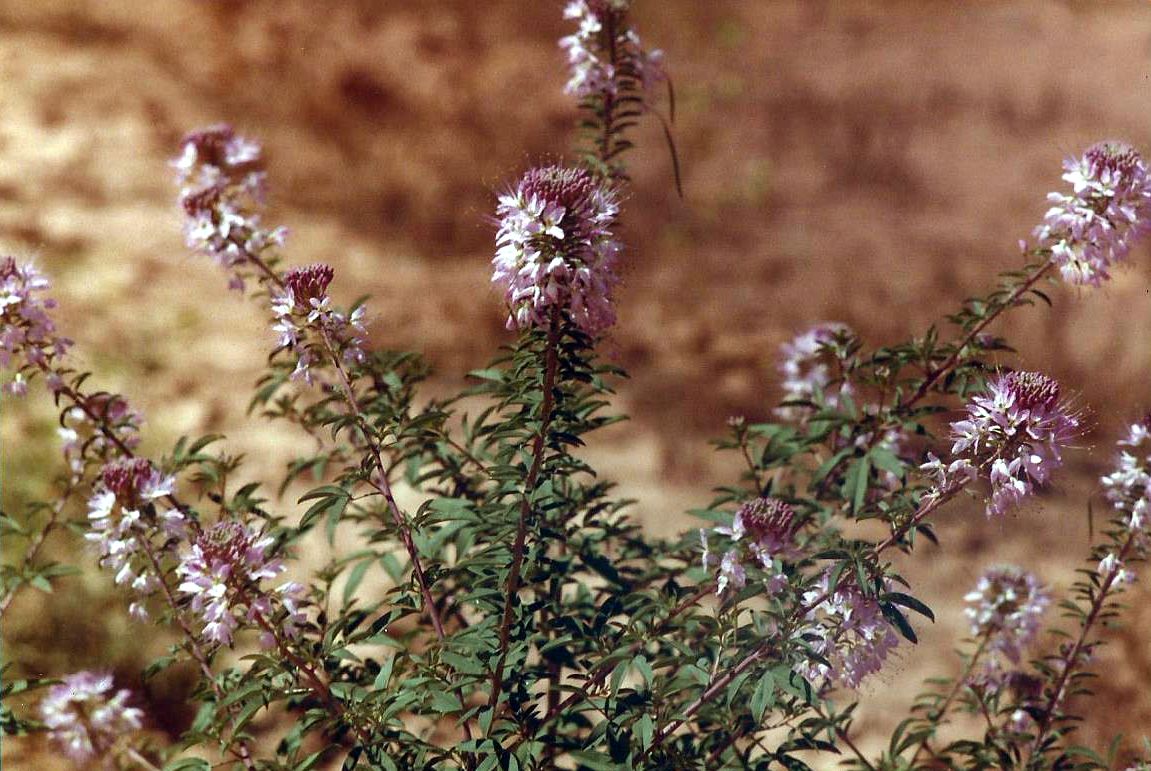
(867, 162)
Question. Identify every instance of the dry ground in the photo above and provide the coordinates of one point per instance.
(867, 162)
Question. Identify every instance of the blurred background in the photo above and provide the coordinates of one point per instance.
(866, 162)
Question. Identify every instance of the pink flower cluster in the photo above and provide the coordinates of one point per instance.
(28, 338)
(222, 186)
(222, 572)
(85, 717)
(763, 532)
(1109, 208)
(1130, 481)
(131, 527)
(849, 631)
(303, 305)
(556, 249)
(1014, 431)
(1128, 488)
(807, 364)
(1006, 606)
(589, 51)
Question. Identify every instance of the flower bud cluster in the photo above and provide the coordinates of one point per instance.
(307, 324)
(1014, 431)
(85, 428)
(596, 62)
(808, 364)
(848, 630)
(222, 186)
(131, 527)
(762, 533)
(85, 717)
(222, 573)
(556, 249)
(28, 338)
(1006, 608)
(1109, 208)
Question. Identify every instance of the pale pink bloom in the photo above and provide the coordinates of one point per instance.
(591, 72)
(555, 249)
(809, 365)
(222, 573)
(1015, 432)
(222, 187)
(848, 630)
(1006, 605)
(762, 533)
(85, 718)
(129, 523)
(29, 342)
(1094, 227)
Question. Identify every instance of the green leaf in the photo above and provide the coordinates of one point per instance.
(892, 614)
(645, 730)
(907, 601)
(855, 483)
(763, 697)
(355, 577)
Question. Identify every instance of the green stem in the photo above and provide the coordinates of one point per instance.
(1072, 658)
(940, 711)
(551, 367)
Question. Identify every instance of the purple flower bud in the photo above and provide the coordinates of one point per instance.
(129, 479)
(309, 284)
(768, 519)
(1032, 390)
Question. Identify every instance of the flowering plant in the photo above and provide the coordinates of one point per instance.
(514, 617)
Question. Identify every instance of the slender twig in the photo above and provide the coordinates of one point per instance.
(1072, 659)
(551, 366)
(953, 359)
(842, 735)
(383, 485)
(939, 712)
(140, 760)
(38, 541)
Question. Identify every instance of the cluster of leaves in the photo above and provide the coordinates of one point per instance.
(515, 618)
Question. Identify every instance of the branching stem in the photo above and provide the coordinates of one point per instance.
(1073, 658)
